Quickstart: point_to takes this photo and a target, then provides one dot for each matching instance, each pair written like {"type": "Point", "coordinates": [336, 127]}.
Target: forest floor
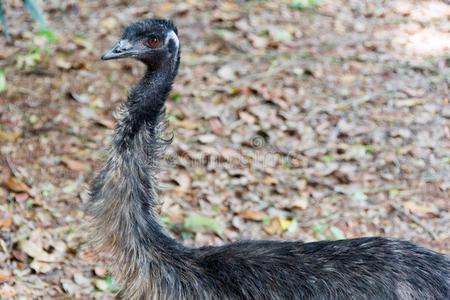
{"type": "Point", "coordinates": [288, 123]}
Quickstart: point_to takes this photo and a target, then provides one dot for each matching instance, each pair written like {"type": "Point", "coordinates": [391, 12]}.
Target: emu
{"type": "Point", "coordinates": [149, 264]}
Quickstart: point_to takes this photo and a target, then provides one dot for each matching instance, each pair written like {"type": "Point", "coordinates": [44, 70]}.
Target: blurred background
{"type": "Point", "coordinates": [293, 119]}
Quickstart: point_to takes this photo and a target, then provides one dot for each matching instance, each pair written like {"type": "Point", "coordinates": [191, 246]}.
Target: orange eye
{"type": "Point", "coordinates": [152, 43]}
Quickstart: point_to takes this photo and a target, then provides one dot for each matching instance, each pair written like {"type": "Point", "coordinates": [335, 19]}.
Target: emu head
{"type": "Point", "coordinates": [153, 41]}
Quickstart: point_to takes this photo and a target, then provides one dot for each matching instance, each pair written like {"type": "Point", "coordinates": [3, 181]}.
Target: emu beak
{"type": "Point", "coordinates": [120, 50]}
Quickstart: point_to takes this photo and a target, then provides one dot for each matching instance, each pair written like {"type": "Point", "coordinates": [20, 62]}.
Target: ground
{"type": "Point", "coordinates": [290, 121]}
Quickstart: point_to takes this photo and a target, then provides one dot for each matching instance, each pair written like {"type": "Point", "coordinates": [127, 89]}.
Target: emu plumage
{"type": "Point", "coordinates": [151, 265]}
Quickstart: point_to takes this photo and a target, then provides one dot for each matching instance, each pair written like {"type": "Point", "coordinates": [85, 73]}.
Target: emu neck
{"type": "Point", "coordinates": [124, 194]}
{"type": "Point", "coordinates": [147, 99]}
{"type": "Point", "coordinates": [144, 108]}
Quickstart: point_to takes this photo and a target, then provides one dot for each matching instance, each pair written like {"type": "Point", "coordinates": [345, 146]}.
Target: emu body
{"type": "Point", "coordinates": [151, 265]}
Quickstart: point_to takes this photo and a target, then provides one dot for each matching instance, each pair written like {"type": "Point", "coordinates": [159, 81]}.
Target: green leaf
{"type": "Point", "coordinates": [49, 34]}
{"type": "Point", "coordinates": [186, 235]}
{"type": "Point", "coordinates": [2, 81]}
{"type": "Point", "coordinates": [359, 196]}
{"type": "Point", "coordinates": [265, 220]}
{"type": "Point", "coordinates": [337, 233]}
{"type": "Point", "coordinates": [328, 158]}
{"type": "Point", "coordinates": [107, 284]}
{"type": "Point", "coordinates": [198, 223]}
{"type": "Point", "coordinates": [319, 228]}
{"type": "Point", "coordinates": [28, 61]}
{"type": "Point", "coordinates": [35, 11]}
{"type": "Point", "coordinates": [166, 222]}
{"type": "Point", "coordinates": [281, 35]}
{"type": "Point", "coordinates": [175, 97]}
{"type": "Point", "coordinates": [304, 4]}
{"type": "Point", "coordinates": [113, 286]}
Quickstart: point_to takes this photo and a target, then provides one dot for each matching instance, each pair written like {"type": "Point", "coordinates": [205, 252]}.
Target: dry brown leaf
{"type": "Point", "coordinates": [15, 185]}
{"type": "Point", "coordinates": [34, 250]}
{"type": "Point", "coordinates": [268, 180]}
{"type": "Point", "coordinates": [41, 267]}
{"type": "Point", "coordinates": [410, 102]}
{"type": "Point", "coordinates": [21, 197]}
{"type": "Point", "coordinates": [246, 117]}
{"type": "Point", "coordinates": [6, 276]}
{"type": "Point", "coordinates": [254, 215]}
{"type": "Point", "coordinates": [100, 272]}
{"type": "Point", "coordinates": [20, 256]}
{"type": "Point", "coordinates": [9, 136]}
{"type": "Point", "coordinates": [5, 223]}
{"type": "Point", "coordinates": [278, 225]}
{"type": "Point", "coordinates": [109, 24]}
{"type": "Point", "coordinates": [300, 203]}
{"type": "Point", "coordinates": [184, 181]}
{"type": "Point", "coordinates": [108, 123]}
{"type": "Point", "coordinates": [74, 165]}
{"type": "Point", "coordinates": [7, 292]}
{"type": "Point", "coordinates": [216, 126]}
{"type": "Point", "coordinates": [188, 124]}
{"type": "Point", "coordinates": [274, 226]}
{"type": "Point", "coordinates": [421, 209]}
{"type": "Point", "coordinates": [63, 64]}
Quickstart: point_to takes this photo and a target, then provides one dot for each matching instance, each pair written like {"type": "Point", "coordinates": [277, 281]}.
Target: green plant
{"type": "Point", "coordinates": [2, 81]}
{"type": "Point", "coordinates": [304, 4]}
{"type": "Point", "coordinates": [40, 51]}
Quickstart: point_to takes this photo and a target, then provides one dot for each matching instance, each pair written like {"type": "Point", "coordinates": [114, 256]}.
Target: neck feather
{"type": "Point", "coordinates": [124, 194]}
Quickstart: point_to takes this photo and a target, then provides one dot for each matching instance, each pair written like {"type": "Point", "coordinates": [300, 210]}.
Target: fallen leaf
{"type": "Point", "coordinates": [81, 98]}
{"type": "Point", "coordinates": [81, 280]}
{"type": "Point", "coordinates": [74, 165]}
{"type": "Point", "coordinates": [109, 24]}
{"type": "Point", "coordinates": [21, 197]}
{"type": "Point", "coordinates": [108, 123]}
{"type": "Point", "coordinates": [246, 117]}
{"type": "Point", "coordinates": [227, 73]}
{"type": "Point", "coordinates": [41, 267]}
{"type": "Point", "coordinates": [337, 233]}
{"type": "Point", "coordinates": [9, 136]}
{"type": "Point", "coordinates": [35, 251]}
{"type": "Point", "coordinates": [421, 209]}
{"type": "Point", "coordinates": [5, 223]}
{"type": "Point", "coordinates": [15, 185]}
{"type": "Point", "coordinates": [184, 181]}
{"type": "Point", "coordinates": [258, 42]}
{"type": "Point", "coordinates": [6, 276]}
{"type": "Point", "coordinates": [206, 138]}
{"type": "Point", "coordinates": [187, 124]}
{"type": "Point", "coordinates": [277, 225]}
{"type": "Point", "coordinates": [63, 64]}
{"type": "Point", "coordinates": [198, 223]}
{"type": "Point", "coordinates": [69, 286]}
{"type": "Point", "coordinates": [100, 272]}
{"type": "Point", "coordinates": [299, 203]}
{"type": "Point", "coordinates": [280, 34]}
{"type": "Point", "coordinates": [254, 215]}
{"type": "Point", "coordinates": [19, 255]}
{"type": "Point", "coordinates": [216, 126]}
{"type": "Point", "coordinates": [410, 102]}
{"type": "Point", "coordinates": [7, 292]}
{"type": "Point", "coordinates": [3, 84]}
{"type": "Point", "coordinates": [269, 180]}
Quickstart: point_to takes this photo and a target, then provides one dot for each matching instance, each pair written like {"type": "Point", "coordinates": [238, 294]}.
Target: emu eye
{"type": "Point", "coordinates": [152, 42]}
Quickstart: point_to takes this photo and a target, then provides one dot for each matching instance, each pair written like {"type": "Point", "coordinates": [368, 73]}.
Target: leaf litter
{"type": "Point", "coordinates": [292, 120]}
